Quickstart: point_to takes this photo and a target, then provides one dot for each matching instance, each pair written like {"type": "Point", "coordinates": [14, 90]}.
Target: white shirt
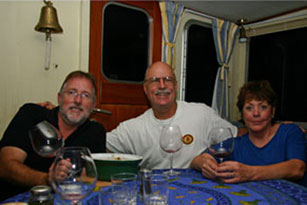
{"type": "Point", "coordinates": [140, 135]}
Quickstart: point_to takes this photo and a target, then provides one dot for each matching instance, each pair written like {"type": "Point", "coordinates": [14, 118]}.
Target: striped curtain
{"type": "Point", "coordinates": [171, 14]}
{"type": "Point", "coordinates": [224, 34]}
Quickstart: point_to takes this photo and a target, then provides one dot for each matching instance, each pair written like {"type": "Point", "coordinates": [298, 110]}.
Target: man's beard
{"type": "Point", "coordinates": [70, 120]}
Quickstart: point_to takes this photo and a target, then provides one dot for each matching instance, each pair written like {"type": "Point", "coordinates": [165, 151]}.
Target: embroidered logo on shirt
{"type": "Point", "coordinates": [187, 139]}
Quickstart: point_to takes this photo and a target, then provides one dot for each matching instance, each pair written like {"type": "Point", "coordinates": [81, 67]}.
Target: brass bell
{"type": "Point", "coordinates": [48, 24]}
{"type": "Point", "coordinates": [48, 21]}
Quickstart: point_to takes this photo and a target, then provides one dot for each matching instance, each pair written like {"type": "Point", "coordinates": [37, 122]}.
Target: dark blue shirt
{"type": "Point", "coordinates": [288, 143]}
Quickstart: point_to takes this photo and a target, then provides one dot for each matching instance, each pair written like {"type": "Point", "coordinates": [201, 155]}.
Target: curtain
{"type": "Point", "coordinates": [171, 14]}
{"type": "Point", "coordinates": [224, 34]}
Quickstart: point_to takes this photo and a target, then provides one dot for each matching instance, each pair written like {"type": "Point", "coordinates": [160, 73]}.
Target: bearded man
{"type": "Point", "coordinates": [20, 166]}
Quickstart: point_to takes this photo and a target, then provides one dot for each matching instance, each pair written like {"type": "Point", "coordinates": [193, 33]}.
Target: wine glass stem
{"type": "Point", "coordinates": [221, 160]}
{"type": "Point", "coordinates": [171, 162]}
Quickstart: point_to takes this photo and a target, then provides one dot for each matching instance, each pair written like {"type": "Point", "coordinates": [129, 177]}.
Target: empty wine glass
{"type": "Point", "coordinates": [79, 180]}
{"type": "Point", "coordinates": [170, 142]}
{"type": "Point", "coordinates": [221, 142]}
{"type": "Point", "coordinates": [46, 140]}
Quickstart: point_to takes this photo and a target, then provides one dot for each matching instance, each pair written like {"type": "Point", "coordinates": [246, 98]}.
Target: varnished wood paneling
{"type": "Point", "coordinates": [123, 99]}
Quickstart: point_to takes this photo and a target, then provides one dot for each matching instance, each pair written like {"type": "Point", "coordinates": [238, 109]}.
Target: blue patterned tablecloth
{"type": "Point", "coordinates": [191, 188]}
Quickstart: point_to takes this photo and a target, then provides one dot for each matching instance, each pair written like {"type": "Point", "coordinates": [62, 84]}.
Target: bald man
{"type": "Point", "coordinates": [140, 136]}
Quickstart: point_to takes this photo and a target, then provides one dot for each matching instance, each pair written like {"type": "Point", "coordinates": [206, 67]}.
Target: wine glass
{"type": "Point", "coordinates": [170, 142]}
{"type": "Point", "coordinates": [46, 140]}
{"type": "Point", "coordinates": [74, 173]}
{"type": "Point", "coordinates": [221, 142]}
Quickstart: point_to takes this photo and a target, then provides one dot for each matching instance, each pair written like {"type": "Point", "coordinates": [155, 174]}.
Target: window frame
{"type": "Point", "coordinates": [187, 26]}
{"type": "Point", "coordinates": [115, 93]}
{"type": "Point", "coordinates": [180, 61]}
{"type": "Point", "coordinates": [149, 45]}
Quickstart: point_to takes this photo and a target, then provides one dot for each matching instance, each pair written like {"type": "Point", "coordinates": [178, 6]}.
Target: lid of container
{"type": "Point", "coordinates": [40, 189]}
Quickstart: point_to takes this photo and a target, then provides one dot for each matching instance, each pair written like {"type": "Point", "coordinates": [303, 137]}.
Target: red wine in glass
{"type": "Point", "coordinates": [170, 142]}
{"type": "Point", "coordinates": [221, 142]}
{"type": "Point", "coordinates": [222, 153]}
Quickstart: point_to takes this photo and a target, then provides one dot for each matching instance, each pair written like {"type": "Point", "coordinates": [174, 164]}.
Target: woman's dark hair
{"type": "Point", "coordinates": [256, 90]}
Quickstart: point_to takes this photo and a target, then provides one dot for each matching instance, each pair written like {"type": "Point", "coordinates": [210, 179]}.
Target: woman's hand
{"type": "Point", "coordinates": [233, 172]}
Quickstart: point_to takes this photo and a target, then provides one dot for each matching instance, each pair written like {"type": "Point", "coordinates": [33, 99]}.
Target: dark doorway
{"type": "Point", "coordinates": [201, 64]}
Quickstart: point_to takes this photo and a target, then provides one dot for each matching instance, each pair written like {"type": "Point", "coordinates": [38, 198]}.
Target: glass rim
{"type": "Point", "coordinates": [75, 148]}
{"type": "Point", "coordinates": [161, 176]}
{"type": "Point", "coordinates": [124, 176]}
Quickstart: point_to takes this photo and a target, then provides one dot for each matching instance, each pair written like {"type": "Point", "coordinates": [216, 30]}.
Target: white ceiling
{"type": "Point", "coordinates": [253, 11]}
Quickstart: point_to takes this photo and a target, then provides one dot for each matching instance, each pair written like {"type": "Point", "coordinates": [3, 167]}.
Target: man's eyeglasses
{"type": "Point", "coordinates": [156, 80]}
{"type": "Point", "coordinates": [74, 93]}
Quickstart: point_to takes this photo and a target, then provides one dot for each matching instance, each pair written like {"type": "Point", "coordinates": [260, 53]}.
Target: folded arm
{"type": "Point", "coordinates": [234, 172]}
{"type": "Point", "coordinates": [12, 168]}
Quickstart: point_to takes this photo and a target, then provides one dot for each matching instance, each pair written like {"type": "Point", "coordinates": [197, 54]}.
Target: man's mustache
{"type": "Point", "coordinates": [163, 92]}
{"type": "Point", "coordinates": [76, 107]}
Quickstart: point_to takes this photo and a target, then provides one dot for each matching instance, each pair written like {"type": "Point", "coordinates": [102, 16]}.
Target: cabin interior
{"type": "Point", "coordinates": [117, 40]}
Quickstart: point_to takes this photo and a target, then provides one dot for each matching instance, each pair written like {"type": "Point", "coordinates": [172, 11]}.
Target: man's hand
{"type": "Point", "coordinates": [47, 105]}
{"type": "Point", "coordinates": [61, 171]}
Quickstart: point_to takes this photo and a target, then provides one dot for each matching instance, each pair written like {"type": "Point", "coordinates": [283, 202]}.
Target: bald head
{"type": "Point", "coordinates": [159, 69]}
{"type": "Point", "coordinates": [160, 87]}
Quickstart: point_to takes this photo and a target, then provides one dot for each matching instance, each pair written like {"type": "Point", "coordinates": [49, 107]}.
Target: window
{"type": "Point", "coordinates": [201, 63]}
{"type": "Point", "coordinates": [126, 43]}
{"type": "Point", "coordinates": [281, 58]}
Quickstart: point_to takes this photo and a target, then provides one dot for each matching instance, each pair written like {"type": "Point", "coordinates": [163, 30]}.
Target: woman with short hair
{"type": "Point", "coordinates": [268, 151]}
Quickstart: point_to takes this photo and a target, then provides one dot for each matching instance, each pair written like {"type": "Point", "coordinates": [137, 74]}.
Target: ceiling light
{"type": "Point", "coordinates": [242, 37]}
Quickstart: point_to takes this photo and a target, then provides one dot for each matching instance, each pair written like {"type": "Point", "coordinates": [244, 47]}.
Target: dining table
{"type": "Point", "coordinates": [190, 187]}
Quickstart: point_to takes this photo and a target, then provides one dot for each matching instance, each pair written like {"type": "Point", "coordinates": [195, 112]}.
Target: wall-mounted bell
{"type": "Point", "coordinates": [48, 21]}
{"type": "Point", "coordinates": [48, 24]}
